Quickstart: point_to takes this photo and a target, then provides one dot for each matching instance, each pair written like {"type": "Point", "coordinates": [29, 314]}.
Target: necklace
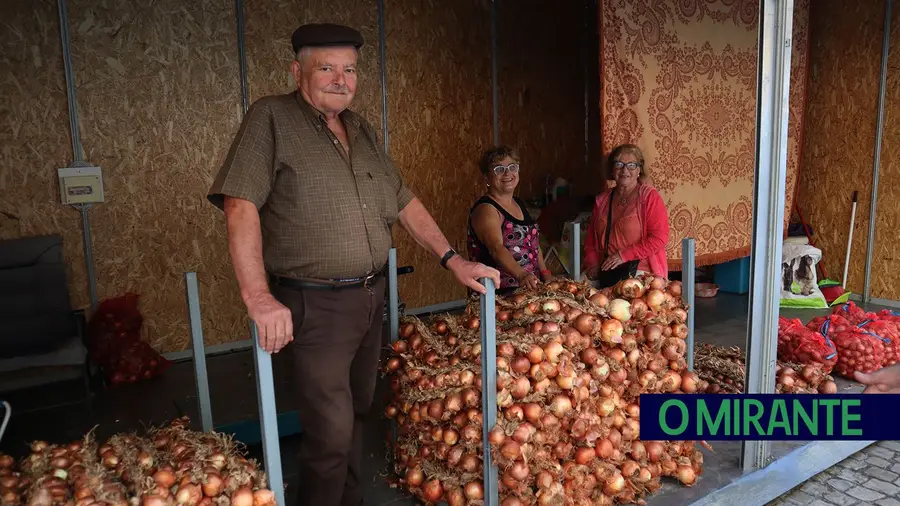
{"type": "Point", "coordinates": [625, 197]}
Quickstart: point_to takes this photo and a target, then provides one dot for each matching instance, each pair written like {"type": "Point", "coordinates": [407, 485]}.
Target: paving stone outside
{"type": "Point", "coordinates": [871, 476]}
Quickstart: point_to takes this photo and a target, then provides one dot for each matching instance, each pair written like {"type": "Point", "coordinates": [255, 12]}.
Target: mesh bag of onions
{"type": "Point", "coordinates": [572, 362]}
{"type": "Point", "coordinates": [889, 333]}
{"type": "Point", "coordinates": [853, 313]}
{"type": "Point", "coordinates": [114, 341]}
{"type": "Point", "coordinates": [858, 350]}
{"type": "Point", "coordinates": [171, 465]}
{"type": "Point", "coordinates": [799, 344]}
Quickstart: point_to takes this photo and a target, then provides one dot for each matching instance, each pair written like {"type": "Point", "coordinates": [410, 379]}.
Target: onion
{"type": "Point", "coordinates": [689, 382]}
{"type": "Point", "coordinates": [631, 288]}
{"type": "Point", "coordinates": [614, 484]}
{"type": "Point", "coordinates": [611, 330]}
{"type": "Point", "coordinates": [514, 413]}
{"type": "Point", "coordinates": [213, 485]}
{"type": "Point", "coordinates": [630, 469]}
{"type": "Point", "coordinates": [655, 450]}
{"type": "Point", "coordinates": [510, 450]}
{"type": "Point", "coordinates": [603, 449]}
{"type": "Point", "coordinates": [561, 405]}
{"type": "Point", "coordinates": [432, 491]}
{"type": "Point", "coordinates": [523, 432]}
{"type": "Point", "coordinates": [190, 494]}
{"type": "Point", "coordinates": [652, 334]}
{"type": "Point", "coordinates": [451, 436]}
{"type": "Point", "coordinates": [686, 475]}
{"type": "Point", "coordinates": [519, 471]}
{"type": "Point", "coordinates": [532, 412]}
{"type": "Point", "coordinates": [675, 288]}
{"type": "Point", "coordinates": [521, 387]}
{"type": "Point", "coordinates": [583, 455]}
{"type": "Point", "coordinates": [620, 309]}
{"type": "Point", "coordinates": [469, 463]}
{"type": "Point", "coordinates": [164, 478]}
{"type": "Point", "coordinates": [586, 324]}
{"type": "Point", "coordinates": [550, 306]}
{"type": "Point", "coordinates": [535, 354]}
{"type": "Point", "coordinates": [655, 300]}
{"type": "Point", "coordinates": [414, 476]}
{"type": "Point", "coordinates": [496, 435]}
{"type": "Point", "coordinates": [639, 308]}
{"type": "Point", "coordinates": [590, 356]}
{"type": "Point", "coordinates": [679, 330]}
{"type": "Point", "coordinates": [828, 387]}
{"type": "Point", "coordinates": [520, 364]}
{"type": "Point", "coordinates": [454, 455]}
{"type": "Point", "coordinates": [552, 350]}
{"type": "Point", "coordinates": [671, 381]}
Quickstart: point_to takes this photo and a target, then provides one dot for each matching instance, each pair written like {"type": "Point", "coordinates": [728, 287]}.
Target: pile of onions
{"type": "Point", "coordinates": [572, 362]}
{"type": "Point", "coordinates": [723, 369]}
{"type": "Point", "coordinates": [171, 465]}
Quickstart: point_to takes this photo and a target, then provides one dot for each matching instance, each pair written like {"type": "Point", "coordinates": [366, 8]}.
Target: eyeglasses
{"type": "Point", "coordinates": [632, 166]}
{"type": "Point", "coordinates": [512, 168]}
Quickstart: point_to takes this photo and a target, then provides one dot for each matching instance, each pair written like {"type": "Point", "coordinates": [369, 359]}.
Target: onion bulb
{"type": "Point", "coordinates": [620, 309]}
{"type": "Point", "coordinates": [432, 491]}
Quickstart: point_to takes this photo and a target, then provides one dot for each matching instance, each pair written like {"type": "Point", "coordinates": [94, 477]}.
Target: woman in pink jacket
{"type": "Point", "coordinates": [636, 241]}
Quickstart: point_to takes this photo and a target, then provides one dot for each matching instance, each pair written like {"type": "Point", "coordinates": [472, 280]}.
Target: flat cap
{"type": "Point", "coordinates": [325, 34]}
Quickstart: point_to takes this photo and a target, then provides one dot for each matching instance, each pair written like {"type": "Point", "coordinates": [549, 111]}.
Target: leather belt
{"type": "Point", "coordinates": [327, 284]}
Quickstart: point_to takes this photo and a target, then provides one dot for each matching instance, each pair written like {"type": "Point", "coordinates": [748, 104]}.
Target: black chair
{"type": "Point", "coordinates": [42, 338]}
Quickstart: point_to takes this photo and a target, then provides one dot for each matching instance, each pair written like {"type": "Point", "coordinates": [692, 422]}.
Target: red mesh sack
{"type": "Point", "coordinates": [114, 342]}
{"type": "Point", "coordinates": [853, 313]}
{"type": "Point", "coordinates": [888, 315]}
{"type": "Point", "coordinates": [802, 345]}
{"type": "Point", "coordinates": [857, 350]}
{"type": "Point", "coordinates": [889, 333]}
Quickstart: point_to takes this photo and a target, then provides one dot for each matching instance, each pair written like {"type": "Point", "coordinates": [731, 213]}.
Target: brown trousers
{"type": "Point", "coordinates": [336, 348]}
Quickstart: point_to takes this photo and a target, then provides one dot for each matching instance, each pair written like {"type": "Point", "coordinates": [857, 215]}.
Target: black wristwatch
{"type": "Point", "coordinates": [447, 256]}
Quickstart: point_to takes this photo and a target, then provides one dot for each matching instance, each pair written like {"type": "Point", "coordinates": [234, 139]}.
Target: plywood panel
{"type": "Point", "coordinates": [159, 96]}
{"type": "Point", "coordinates": [541, 80]}
{"type": "Point", "coordinates": [885, 259]}
{"type": "Point", "coordinates": [34, 133]}
{"type": "Point", "coordinates": [840, 129]}
{"type": "Point", "coordinates": [439, 103]}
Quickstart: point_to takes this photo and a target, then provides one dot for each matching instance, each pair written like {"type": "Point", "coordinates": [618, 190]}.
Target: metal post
{"type": "Point", "coordinates": [268, 416]}
{"type": "Point", "coordinates": [89, 254]}
{"type": "Point", "coordinates": [687, 293]}
{"type": "Point", "coordinates": [242, 54]}
{"type": "Point", "coordinates": [77, 154]}
{"type": "Point", "coordinates": [876, 164]}
{"type": "Point", "coordinates": [489, 390]}
{"type": "Point", "coordinates": [576, 251]}
{"type": "Point", "coordinates": [774, 68]}
{"type": "Point", "coordinates": [199, 348]}
{"type": "Point", "coordinates": [393, 295]}
{"type": "Point", "coordinates": [382, 59]}
{"type": "Point", "coordinates": [495, 85]}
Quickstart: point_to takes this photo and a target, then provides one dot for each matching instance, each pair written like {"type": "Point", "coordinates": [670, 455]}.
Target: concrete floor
{"type": "Point", "coordinates": [720, 320]}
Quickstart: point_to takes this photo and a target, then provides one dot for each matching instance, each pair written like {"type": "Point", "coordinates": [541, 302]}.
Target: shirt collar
{"type": "Point", "coordinates": [350, 118]}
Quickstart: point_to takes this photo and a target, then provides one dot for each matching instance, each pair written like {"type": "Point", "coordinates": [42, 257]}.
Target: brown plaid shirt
{"type": "Point", "coordinates": [324, 214]}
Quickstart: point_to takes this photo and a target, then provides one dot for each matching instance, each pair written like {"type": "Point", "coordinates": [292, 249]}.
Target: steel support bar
{"type": "Point", "coordinates": [576, 251]}
{"type": "Point", "coordinates": [393, 295]}
{"type": "Point", "coordinates": [495, 76]}
{"type": "Point", "coordinates": [774, 68]}
{"type": "Point", "coordinates": [382, 60]}
{"type": "Point", "coordinates": [268, 415]}
{"type": "Point", "coordinates": [242, 53]}
{"type": "Point", "coordinates": [489, 389]}
{"type": "Point", "coordinates": [88, 243]}
{"type": "Point", "coordinates": [876, 164]}
{"type": "Point", "coordinates": [199, 350]}
{"type": "Point", "coordinates": [687, 293]}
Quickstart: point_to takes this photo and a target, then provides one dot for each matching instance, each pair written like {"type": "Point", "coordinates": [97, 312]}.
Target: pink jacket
{"type": "Point", "coordinates": [655, 232]}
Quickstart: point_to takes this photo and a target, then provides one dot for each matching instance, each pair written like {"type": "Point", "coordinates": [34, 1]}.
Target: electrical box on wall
{"type": "Point", "coordinates": [80, 185]}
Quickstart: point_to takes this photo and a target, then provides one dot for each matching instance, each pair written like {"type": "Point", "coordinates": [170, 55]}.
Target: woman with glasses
{"type": "Point", "coordinates": [629, 227]}
{"type": "Point", "coordinates": [501, 233]}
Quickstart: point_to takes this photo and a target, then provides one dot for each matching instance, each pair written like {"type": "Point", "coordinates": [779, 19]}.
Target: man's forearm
{"type": "Point", "coordinates": [245, 247]}
{"type": "Point", "coordinates": [423, 229]}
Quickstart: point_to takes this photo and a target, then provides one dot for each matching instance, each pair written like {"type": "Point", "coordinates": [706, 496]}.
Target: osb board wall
{"type": "Point", "coordinates": [439, 107]}
{"type": "Point", "coordinates": [845, 57]}
{"type": "Point", "coordinates": [34, 133]}
{"type": "Point", "coordinates": [541, 81]}
{"type": "Point", "coordinates": [679, 80]}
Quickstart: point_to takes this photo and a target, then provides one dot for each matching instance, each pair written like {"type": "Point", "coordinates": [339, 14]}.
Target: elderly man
{"type": "Point", "coordinates": [309, 199]}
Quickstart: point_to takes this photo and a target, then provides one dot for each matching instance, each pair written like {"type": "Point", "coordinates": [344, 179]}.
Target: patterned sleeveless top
{"type": "Point", "coordinates": [519, 236]}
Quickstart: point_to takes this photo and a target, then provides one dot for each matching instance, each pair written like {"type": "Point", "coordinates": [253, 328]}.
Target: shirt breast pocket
{"type": "Point", "coordinates": [385, 195]}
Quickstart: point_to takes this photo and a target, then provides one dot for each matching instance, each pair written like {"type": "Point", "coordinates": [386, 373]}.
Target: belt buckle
{"type": "Point", "coordinates": [367, 281]}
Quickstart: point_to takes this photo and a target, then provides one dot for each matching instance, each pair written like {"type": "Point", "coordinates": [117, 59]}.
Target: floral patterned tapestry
{"type": "Point", "coordinates": [678, 78]}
